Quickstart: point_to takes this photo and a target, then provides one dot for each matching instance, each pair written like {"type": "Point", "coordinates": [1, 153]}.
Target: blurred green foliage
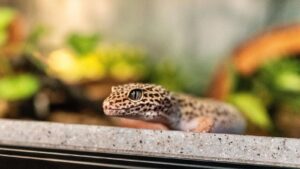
{"type": "Point", "coordinates": [17, 87]}
{"type": "Point", "coordinates": [6, 16]}
{"type": "Point", "coordinates": [253, 109]}
{"type": "Point", "coordinates": [83, 44]}
{"type": "Point", "coordinates": [92, 59]}
{"type": "Point", "coordinates": [282, 79]}
{"type": "Point", "coordinates": [34, 37]}
{"type": "Point", "coordinates": [275, 84]}
{"type": "Point", "coordinates": [167, 74]}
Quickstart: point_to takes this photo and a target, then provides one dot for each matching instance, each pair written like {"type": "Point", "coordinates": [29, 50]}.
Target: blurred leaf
{"type": "Point", "coordinates": [292, 102]}
{"type": "Point", "coordinates": [35, 36]}
{"type": "Point", "coordinates": [64, 64]}
{"type": "Point", "coordinates": [280, 75]}
{"type": "Point", "coordinates": [83, 44]}
{"type": "Point", "coordinates": [6, 16]}
{"type": "Point", "coordinates": [253, 109]}
{"type": "Point", "coordinates": [95, 70]}
{"type": "Point", "coordinates": [288, 81]}
{"type": "Point", "coordinates": [122, 61]}
{"type": "Point", "coordinates": [167, 74]}
{"type": "Point", "coordinates": [262, 91]}
{"type": "Point", "coordinates": [277, 81]}
{"type": "Point", "coordinates": [18, 87]}
{"type": "Point", "coordinates": [3, 37]}
{"type": "Point", "coordinates": [5, 66]}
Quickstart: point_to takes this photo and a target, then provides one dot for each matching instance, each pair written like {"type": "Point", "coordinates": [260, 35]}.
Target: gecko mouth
{"type": "Point", "coordinates": [114, 112]}
{"type": "Point", "coordinates": [119, 112]}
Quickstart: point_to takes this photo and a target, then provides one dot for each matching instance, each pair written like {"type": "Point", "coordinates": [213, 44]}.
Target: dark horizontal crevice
{"type": "Point", "coordinates": [36, 158]}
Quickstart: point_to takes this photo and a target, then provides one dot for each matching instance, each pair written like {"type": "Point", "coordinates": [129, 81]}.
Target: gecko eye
{"type": "Point", "coordinates": [135, 94]}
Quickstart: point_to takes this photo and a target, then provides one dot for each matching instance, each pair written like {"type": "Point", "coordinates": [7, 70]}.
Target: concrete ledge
{"type": "Point", "coordinates": [213, 147]}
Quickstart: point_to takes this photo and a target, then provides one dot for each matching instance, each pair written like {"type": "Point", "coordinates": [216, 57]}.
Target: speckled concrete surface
{"type": "Point", "coordinates": [221, 147]}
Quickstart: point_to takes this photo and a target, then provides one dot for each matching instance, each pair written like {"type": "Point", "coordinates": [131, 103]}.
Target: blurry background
{"type": "Point", "coordinates": [59, 58]}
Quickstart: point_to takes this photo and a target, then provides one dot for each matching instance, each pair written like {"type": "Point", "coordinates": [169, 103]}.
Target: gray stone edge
{"type": "Point", "coordinates": [202, 146]}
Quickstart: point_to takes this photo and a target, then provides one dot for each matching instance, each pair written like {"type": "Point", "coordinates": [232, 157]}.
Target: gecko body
{"type": "Point", "coordinates": [178, 111]}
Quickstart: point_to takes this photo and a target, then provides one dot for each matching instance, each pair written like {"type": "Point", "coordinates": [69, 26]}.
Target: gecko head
{"type": "Point", "coordinates": [138, 101]}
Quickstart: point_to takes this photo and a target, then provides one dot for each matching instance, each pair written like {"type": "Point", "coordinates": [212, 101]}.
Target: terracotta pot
{"type": "Point", "coordinates": [250, 55]}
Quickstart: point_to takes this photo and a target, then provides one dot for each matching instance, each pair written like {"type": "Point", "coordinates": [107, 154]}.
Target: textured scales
{"type": "Point", "coordinates": [177, 111]}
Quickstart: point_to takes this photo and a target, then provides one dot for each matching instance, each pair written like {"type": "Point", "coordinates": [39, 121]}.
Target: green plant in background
{"type": "Point", "coordinates": [83, 44]}
{"type": "Point", "coordinates": [282, 81]}
{"type": "Point", "coordinates": [34, 37]}
{"type": "Point", "coordinates": [275, 84]}
{"type": "Point", "coordinates": [253, 109]}
{"type": "Point", "coordinates": [17, 87]}
{"type": "Point", "coordinates": [88, 58]}
{"type": "Point", "coordinates": [6, 17]}
{"type": "Point", "coordinates": [166, 73]}
{"type": "Point", "coordinates": [123, 62]}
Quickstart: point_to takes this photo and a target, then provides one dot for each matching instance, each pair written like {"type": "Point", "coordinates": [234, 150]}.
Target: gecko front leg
{"type": "Point", "coordinates": [205, 125]}
{"type": "Point", "coordinates": [200, 124]}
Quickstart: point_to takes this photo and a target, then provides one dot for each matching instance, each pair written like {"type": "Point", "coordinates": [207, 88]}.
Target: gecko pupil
{"type": "Point", "coordinates": [135, 94]}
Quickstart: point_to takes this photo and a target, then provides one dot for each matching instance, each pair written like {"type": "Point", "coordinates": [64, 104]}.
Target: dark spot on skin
{"type": "Point", "coordinates": [225, 113]}
{"type": "Point", "coordinates": [141, 141]}
{"type": "Point", "coordinates": [150, 95]}
{"type": "Point", "coordinates": [156, 95]}
{"type": "Point", "coordinates": [150, 88]}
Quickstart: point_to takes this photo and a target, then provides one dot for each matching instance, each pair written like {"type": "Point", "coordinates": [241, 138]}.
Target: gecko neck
{"type": "Point", "coordinates": [173, 114]}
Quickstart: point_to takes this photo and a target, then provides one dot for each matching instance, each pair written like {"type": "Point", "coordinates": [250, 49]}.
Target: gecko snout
{"type": "Point", "coordinates": [108, 110]}
{"type": "Point", "coordinates": [105, 105]}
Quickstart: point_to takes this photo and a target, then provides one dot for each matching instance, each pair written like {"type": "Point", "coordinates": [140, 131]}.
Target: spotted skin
{"type": "Point", "coordinates": [177, 111]}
